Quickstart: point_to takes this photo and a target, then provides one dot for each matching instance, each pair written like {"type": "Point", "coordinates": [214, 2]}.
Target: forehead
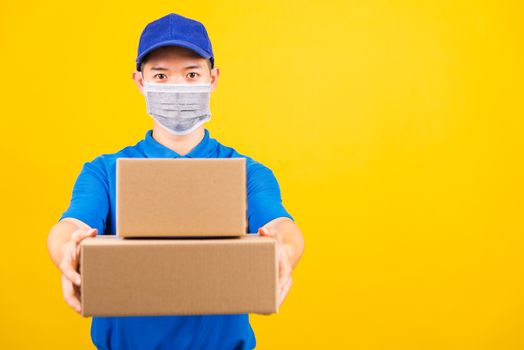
{"type": "Point", "coordinates": [170, 55]}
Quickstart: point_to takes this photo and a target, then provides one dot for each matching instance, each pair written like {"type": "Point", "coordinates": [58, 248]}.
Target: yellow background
{"type": "Point", "coordinates": [394, 128]}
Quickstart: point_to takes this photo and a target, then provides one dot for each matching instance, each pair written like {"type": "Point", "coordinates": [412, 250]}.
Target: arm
{"type": "Point", "coordinates": [267, 215]}
{"type": "Point", "coordinates": [85, 216]}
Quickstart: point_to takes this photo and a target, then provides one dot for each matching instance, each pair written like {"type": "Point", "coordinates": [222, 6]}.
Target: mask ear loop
{"type": "Point", "coordinates": [143, 79]}
{"type": "Point", "coordinates": [143, 86]}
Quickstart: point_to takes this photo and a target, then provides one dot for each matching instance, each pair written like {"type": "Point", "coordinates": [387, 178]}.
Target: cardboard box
{"type": "Point", "coordinates": [184, 276]}
{"type": "Point", "coordinates": [181, 197]}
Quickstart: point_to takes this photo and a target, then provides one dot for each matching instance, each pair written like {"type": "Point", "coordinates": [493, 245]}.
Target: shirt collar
{"type": "Point", "coordinates": [153, 149]}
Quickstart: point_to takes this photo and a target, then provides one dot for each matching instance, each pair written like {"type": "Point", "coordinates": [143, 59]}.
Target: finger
{"type": "Point", "coordinates": [286, 286]}
{"type": "Point", "coordinates": [78, 292]}
{"type": "Point", "coordinates": [282, 282]}
{"type": "Point", "coordinates": [71, 274]}
{"type": "Point", "coordinates": [79, 235]}
{"type": "Point", "coordinates": [73, 256]}
{"type": "Point", "coordinates": [284, 292]}
{"type": "Point", "coordinates": [281, 267]}
{"type": "Point", "coordinates": [75, 234]}
{"type": "Point", "coordinates": [77, 238]}
{"type": "Point", "coordinates": [69, 295]}
{"type": "Point", "coordinates": [68, 268]}
{"type": "Point", "coordinates": [266, 231]}
{"type": "Point", "coordinates": [284, 267]}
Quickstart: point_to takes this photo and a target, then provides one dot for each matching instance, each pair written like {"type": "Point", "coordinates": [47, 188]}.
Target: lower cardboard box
{"type": "Point", "coordinates": [178, 276]}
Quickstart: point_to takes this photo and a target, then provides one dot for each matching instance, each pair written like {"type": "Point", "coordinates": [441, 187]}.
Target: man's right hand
{"type": "Point", "coordinates": [69, 266]}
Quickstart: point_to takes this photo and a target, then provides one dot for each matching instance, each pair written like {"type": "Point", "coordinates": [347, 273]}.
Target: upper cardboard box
{"type": "Point", "coordinates": [170, 197]}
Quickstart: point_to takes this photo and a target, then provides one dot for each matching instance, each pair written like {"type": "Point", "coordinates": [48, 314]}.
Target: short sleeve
{"type": "Point", "coordinates": [264, 202]}
{"type": "Point", "coordinates": [90, 196]}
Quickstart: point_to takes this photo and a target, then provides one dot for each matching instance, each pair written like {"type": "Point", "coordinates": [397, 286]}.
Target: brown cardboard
{"type": "Point", "coordinates": [161, 197]}
{"type": "Point", "coordinates": [180, 276]}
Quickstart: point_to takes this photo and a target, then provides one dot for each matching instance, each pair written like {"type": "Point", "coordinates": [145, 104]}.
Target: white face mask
{"type": "Point", "coordinates": [179, 108]}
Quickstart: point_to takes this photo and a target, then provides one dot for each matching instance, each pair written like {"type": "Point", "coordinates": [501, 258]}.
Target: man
{"type": "Point", "coordinates": [174, 55]}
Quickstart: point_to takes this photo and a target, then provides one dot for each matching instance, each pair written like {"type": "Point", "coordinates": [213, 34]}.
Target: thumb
{"type": "Point", "coordinates": [265, 231]}
{"type": "Point", "coordinates": [79, 235]}
{"type": "Point", "coordinates": [92, 232]}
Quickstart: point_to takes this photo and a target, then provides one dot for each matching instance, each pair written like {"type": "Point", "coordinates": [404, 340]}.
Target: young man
{"type": "Point", "coordinates": [175, 57]}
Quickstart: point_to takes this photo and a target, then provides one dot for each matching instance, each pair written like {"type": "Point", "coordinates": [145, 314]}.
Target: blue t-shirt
{"type": "Point", "coordinates": [93, 202]}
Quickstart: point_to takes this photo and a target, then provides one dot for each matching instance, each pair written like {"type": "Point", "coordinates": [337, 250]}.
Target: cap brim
{"type": "Point", "coordinates": [181, 43]}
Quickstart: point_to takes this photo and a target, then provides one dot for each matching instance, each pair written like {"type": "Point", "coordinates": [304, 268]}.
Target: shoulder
{"type": "Point", "coordinates": [254, 168]}
{"type": "Point", "coordinates": [105, 163]}
{"type": "Point", "coordinates": [260, 177]}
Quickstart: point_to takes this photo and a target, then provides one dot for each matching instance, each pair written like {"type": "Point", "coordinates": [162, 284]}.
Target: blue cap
{"type": "Point", "coordinates": [175, 30]}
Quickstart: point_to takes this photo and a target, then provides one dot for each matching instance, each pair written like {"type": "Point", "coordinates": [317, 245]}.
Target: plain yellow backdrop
{"type": "Point", "coordinates": [394, 129]}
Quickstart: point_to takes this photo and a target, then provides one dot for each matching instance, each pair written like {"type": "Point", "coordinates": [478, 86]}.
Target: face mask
{"type": "Point", "coordinates": [179, 108]}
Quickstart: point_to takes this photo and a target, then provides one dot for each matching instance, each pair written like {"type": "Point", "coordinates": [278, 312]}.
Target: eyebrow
{"type": "Point", "coordinates": [166, 69]}
{"type": "Point", "coordinates": [193, 67]}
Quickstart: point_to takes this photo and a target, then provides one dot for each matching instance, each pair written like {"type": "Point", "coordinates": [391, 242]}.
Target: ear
{"type": "Point", "coordinates": [215, 72]}
{"type": "Point", "coordinates": [137, 77]}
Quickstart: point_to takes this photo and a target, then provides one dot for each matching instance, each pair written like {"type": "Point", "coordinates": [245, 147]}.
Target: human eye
{"type": "Point", "coordinates": [192, 75]}
{"type": "Point", "coordinates": [160, 76]}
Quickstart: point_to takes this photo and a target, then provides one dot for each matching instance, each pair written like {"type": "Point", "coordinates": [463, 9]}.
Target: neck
{"type": "Point", "coordinates": [181, 144]}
